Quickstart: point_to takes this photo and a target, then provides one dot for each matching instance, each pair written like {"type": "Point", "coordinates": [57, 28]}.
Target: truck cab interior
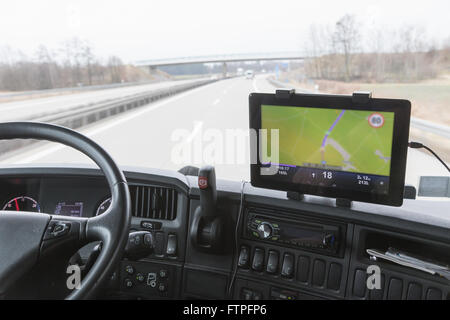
{"type": "Point", "coordinates": [224, 150]}
{"type": "Point", "coordinates": [142, 233]}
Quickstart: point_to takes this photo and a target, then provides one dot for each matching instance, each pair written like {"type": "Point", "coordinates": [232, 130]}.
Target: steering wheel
{"type": "Point", "coordinates": [27, 237]}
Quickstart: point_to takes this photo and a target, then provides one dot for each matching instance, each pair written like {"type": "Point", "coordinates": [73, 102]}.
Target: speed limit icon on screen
{"type": "Point", "coordinates": [376, 120]}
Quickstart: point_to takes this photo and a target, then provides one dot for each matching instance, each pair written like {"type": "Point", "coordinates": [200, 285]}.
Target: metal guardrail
{"type": "Point", "coordinates": [83, 115]}
{"type": "Point", "coordinates": [424, 125]}
{"type": "Point", "coordinates": [428, 126]}
{"type": "Point", "coordinates": [74, 89]}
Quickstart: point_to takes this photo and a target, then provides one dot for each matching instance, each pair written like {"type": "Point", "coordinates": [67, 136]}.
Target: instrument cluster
{"type": "Point", "coordinates": [85, 197]}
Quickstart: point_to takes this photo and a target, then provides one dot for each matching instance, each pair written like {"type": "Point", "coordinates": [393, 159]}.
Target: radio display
{"type": "Point", "coordinates": [294, 234]}
{"type": "Point", "coordinates": [328, 146]}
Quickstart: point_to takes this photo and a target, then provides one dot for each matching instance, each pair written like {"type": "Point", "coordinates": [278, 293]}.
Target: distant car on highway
{"type": "Point", "coordinates": [249, 74]}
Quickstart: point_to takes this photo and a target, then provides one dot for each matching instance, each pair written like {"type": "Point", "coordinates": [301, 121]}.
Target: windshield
{"type": "Point", "coordinates": [165, 84]}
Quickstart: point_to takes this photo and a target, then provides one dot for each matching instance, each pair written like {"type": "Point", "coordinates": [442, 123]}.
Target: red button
{"type": "Point", "coordinates": [202, 182]}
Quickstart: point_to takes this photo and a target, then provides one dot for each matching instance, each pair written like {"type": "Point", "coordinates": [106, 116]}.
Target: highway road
{"type": "Point", "coordinates": [200, 121]}
{"type": "Point", "coordinates": [29, 109]}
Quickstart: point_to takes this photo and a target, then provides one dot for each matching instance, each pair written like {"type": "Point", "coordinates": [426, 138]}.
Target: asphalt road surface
{"type": "Point", "coordinates": [192, 128]}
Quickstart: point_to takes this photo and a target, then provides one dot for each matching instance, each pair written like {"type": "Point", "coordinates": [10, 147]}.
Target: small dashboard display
{"type": "Point", "coordinates": [74, 209]}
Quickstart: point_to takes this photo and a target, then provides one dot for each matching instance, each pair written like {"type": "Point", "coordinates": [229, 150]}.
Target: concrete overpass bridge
{"type": "Point", "coordinates": [153, 64]}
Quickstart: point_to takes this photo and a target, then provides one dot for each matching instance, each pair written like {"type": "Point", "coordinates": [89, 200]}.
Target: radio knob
{"type": "Point", "coordinates": [264, 230]}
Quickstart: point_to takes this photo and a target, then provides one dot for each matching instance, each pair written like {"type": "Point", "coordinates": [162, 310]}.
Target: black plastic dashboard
{"type": "Point", "coordinates": [284, 265]}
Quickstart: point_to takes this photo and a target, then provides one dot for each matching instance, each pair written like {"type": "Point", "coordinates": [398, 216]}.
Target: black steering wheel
{"type": "Point", "coordinates": [27, 237]}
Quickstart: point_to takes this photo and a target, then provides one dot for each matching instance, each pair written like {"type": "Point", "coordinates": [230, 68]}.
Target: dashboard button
{"type": "Point", "coordinates": [282, 294]}
{"type": "Point", "coordinates": [414, 291]}
{"type": "Point", "coordinates": [171, 245]}
{"type": "Point", "coordinates": [303, 269]}
{"type": "Point", "coordinates": [287, 269]}
{"type": "Point", "coordinates": [128, 283]}
{"type": "Point", "coordinates": [159, 243]}
{"type": "Point", "coordinates": [163, 273]}
{"type": "Point", "coordinates": [395, 289]}
{"type": "Point", "coordinates": [151, 279]}
{"type": "Point", "coordinates": [258, 259]}
{"type": "Point", "coordinates": [244, 257]}
{"type": "Point", "coordinates": [334, 276]}
{"type": "Point", "coordinates": [434, 294]}
{"type": "Point", "coordinates": [151, 225]}
{"type": "Point", "coordinates": [246, 294]}
{"type": "Point", "coordinates": [318, 273]}
{"type": "Point", "coordinates": [140, 277]}
{"type": "Point", "coordinates": [272, 262]}
{"type": "Point", "coordinates": [359, 283]}
{"type": "Point", "coordinates": [129, 269]}
{"type": "Point", "coordinates": [162, 287]}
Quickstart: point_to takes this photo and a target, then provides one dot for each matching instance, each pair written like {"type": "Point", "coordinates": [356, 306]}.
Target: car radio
{"type": "Point", "coordinates": [305, 235]}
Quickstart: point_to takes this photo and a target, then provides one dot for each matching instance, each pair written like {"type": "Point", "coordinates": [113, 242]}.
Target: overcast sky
{"type": "Point", "coordinates": [149, 29]}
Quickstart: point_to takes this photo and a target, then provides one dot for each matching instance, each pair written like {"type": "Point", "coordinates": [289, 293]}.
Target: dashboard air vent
{"type": "Point", "coordinates": [154, 202]}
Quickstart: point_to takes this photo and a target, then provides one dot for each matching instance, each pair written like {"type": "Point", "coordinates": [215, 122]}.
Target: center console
{"type": "Point", "coordinates": [284, 255]}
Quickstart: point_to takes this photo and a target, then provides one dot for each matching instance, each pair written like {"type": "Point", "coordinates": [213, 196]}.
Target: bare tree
{"type": "Point", "coordinates": [115, 69]}
{"type": "Point", "coordinates": [346, 39]}
{"type": "Point", "coordinates": [88, 60]}
{"type": "Point", "coordinates": [44, 76]}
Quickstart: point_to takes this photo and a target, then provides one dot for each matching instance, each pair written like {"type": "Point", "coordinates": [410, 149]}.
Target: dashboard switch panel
{"type": "Point", "coordinates": [148, 279]}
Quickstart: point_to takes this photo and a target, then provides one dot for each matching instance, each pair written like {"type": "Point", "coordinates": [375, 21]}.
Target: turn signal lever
{"type": "Point", "coordinates": [207, 228]}
{"type": "Point", "coordinates": [140, 244]}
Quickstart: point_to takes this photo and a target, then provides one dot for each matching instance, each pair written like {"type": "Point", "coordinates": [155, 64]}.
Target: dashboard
{"type": "Point", "coordinates": [285, 249]}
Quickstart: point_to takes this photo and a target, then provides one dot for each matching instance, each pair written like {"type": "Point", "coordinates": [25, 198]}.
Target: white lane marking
{"type": "Point", "coordinates": [216, 102]}
{"type": "Point", "coordinates": [197, 127]}
{"type": "Point", "coordinates": [111, 124]}
{"type": "Point", "coordinates": [254, 85]}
